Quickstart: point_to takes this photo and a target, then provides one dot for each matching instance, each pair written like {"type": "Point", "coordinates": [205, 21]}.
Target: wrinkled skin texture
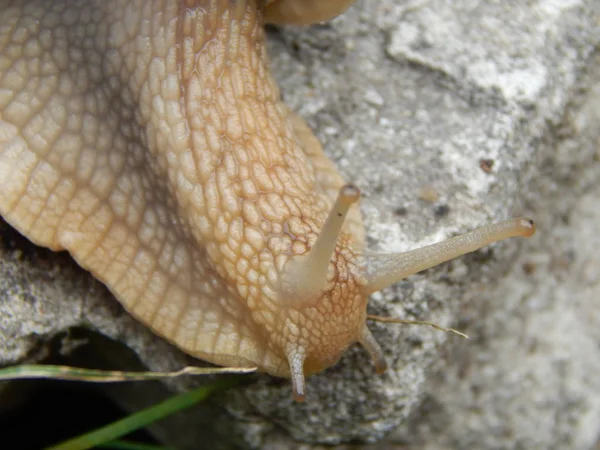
{"type": "Point", "coordinates": [149, 140]}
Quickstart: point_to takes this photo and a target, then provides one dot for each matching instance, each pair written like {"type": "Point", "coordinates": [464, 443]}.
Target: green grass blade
{"type": "Point", "coordinates": [107, 376]}
{"type": "Point", "coordinates": [128, 445]}
{"type": "Point", "coordinates": [145, 417]}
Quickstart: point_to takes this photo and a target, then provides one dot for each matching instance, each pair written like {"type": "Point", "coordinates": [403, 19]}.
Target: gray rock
{"type": "Point", "coordinates": [447, 115]}
{"type": "Point", "coordinates": [531, 382]}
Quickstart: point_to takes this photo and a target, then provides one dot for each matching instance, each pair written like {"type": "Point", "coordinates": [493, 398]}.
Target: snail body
{"type": "Point", "coordinates": [149, 140]}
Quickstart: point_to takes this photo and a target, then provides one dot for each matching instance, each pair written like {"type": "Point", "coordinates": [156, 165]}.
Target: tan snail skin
{"type": "Point", "coordinates": [149, 140]}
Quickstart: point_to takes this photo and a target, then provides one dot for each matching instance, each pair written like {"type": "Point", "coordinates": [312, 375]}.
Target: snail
{"type": "Point", "coordinates": [149, 140]}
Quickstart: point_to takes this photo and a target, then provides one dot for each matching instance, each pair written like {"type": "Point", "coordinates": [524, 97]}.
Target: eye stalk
{"type": "Point", "coordinates": [304, 277]}
{"type": "Point", "coordinates": [381, 271]}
